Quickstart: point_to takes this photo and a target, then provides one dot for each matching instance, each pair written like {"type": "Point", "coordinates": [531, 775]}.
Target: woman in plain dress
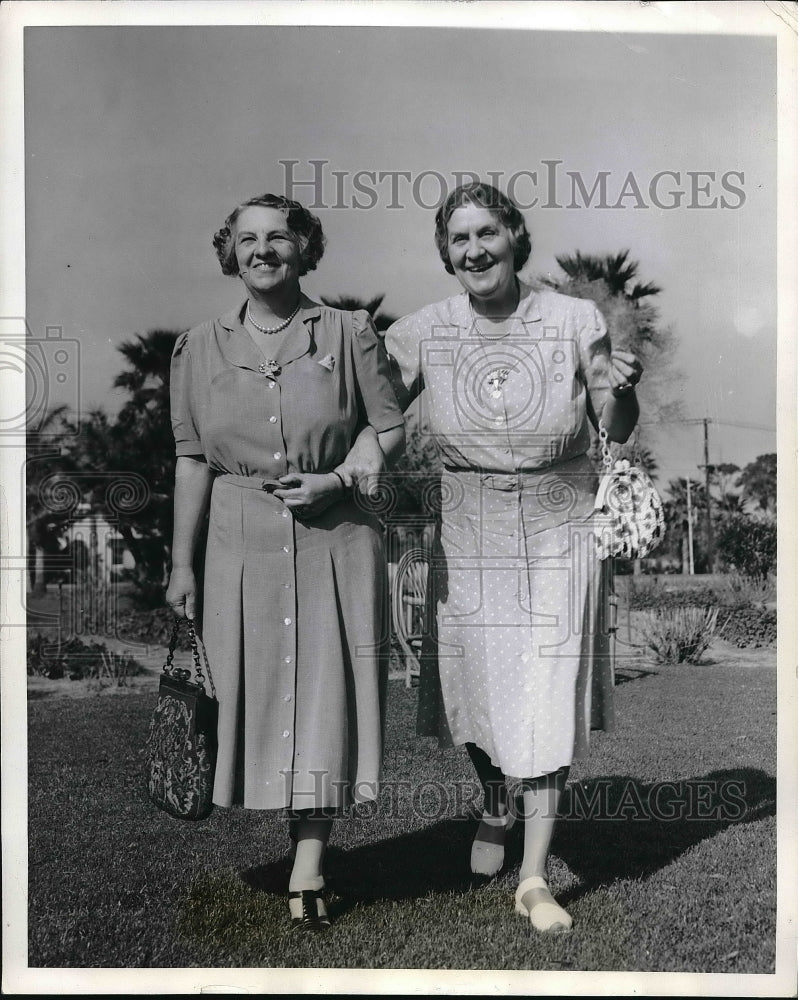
{"type": "Point", "coordinates": [517, 667]}
{"type": "Point", "coordinates": [267, 401]}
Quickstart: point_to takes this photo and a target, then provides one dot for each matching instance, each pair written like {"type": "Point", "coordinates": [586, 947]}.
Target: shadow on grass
{"type": "Point", "coordinates": [625, 674]}
{"type": "Point", "coordinates": [609, 829]}
{"type": "Point", "coordinates": [410, 866]}
{"type": "Point", "coordinates": [620, 828]}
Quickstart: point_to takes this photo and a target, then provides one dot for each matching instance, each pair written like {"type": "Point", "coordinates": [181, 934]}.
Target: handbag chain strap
{"type": "Point", "coordinates": [606, 454]}
{"type": "Point", "coordinates": [181, 672]}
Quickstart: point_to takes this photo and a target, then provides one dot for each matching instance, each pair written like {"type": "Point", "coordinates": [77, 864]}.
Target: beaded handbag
{"type": "Point", "coordinates": [181, 745]}
{"type": "Point", "coordinates": [629, 520]}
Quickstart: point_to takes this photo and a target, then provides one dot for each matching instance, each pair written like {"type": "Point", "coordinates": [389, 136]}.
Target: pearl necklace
{"type": "Point", "coordinates": [271, 329]}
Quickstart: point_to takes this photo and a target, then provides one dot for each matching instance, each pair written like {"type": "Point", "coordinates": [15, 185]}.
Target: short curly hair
{"type": "Point", "coordinates": [302, 223]}
{"type": "Point", "coordinates": [485, 196]}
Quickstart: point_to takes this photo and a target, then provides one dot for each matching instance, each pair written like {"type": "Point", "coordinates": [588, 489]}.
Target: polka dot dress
{"type": "Point", "coordinates": [518, 659]}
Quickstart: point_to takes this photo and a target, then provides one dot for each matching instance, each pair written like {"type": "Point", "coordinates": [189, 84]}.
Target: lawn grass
{"type": "Point", "coordinates": [115, 883]}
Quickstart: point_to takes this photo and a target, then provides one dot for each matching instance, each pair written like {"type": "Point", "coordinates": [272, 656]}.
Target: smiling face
{"type": "Point", "coordinates": [267, 252]}
{"type": "Point", "coordinates": [481, 252]}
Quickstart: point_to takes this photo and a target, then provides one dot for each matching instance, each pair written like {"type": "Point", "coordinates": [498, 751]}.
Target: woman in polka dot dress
{"type": "Point", "coordinates": [518, 667]}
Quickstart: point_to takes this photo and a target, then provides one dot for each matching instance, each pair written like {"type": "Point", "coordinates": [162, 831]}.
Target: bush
{"type": "Point", "coordinates": [78, 660]}
{"type": "Point", "coordinates": [746, 627]}
{"type": "Point", "coordinates": [152, 626]}
{"type": "Point", "coordinates": [747, 545]}
{"type": "Point", "coordinates": [736, 590]}
{"type": "Point", "coordinates": [678, 635]}
{"type": "Point", "coordinates": [647, 594]}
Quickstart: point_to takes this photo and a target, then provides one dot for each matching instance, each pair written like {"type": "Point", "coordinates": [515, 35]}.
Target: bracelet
{"type": "Point", "coordinates": [340, 478]}
{"type": "Point", "coordinates": [623, 390]}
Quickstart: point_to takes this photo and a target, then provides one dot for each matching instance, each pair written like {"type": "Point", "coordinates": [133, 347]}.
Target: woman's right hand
{"type": "Point", "coordinates": [364, 463]}
{"type": "Point", "coordinates": [181, 592]}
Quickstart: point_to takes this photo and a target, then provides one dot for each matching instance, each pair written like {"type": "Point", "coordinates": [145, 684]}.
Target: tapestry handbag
{"type": "Point", "coordinates": [629, 519]}
{"type": "Point", "coordinates": [181, 745]}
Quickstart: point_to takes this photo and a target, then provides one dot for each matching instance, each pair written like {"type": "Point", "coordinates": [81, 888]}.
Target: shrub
{"type": "Point", "coordinates": [152, 626]}
{"type": "Point", "coordinates": [78, 660]}
{"type": "Point", "coordinates": [646, 594]}
{"type": "Point", "coordinates": [736, 590]}
{"type": "Point", "coordinates": [747, 545]}
{"type": "Point", "coordinates": [746, 627]}
{"type": "Point", "coordinates": [679, 635]}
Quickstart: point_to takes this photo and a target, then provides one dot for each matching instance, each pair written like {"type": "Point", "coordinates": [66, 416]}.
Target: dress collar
{"type": "Point", "coordinates": [239, 348]}
{"type": "Point", "coordinates": [527, 310]}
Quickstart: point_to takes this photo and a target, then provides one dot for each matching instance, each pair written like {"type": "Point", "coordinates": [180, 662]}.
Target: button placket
{"type": "Point", "coordinates": [287, 674]}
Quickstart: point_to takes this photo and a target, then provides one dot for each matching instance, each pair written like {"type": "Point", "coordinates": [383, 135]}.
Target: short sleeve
{"type": "Point", "coordinates": [373, 374]}
{"type": "Point", "coordinates": [187, 439]}
{"type": "Point", "coordinates": [403, 348]}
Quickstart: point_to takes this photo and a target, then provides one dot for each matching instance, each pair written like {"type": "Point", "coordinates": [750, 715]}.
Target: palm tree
{"type": "Point", "coordinates": [758, 482]}
{"type": "Point", "coordinates": [614, 269]}
{"type": "Point", "coordinates": [45, 521]}
{"type": "Point", "coordinates": [676, 519]}
{"type": "Point", "coordinates": [136, 445]}
{"type": "Point", "coordinates": [351, 303]}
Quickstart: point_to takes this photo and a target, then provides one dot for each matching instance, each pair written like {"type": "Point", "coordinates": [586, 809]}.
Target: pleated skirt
{"type": "Point", "coordinates": [294, 623]}
{"type": "Point", "coordinates": [518, 660]}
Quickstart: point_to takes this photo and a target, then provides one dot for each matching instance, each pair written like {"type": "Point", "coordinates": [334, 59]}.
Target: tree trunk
{"type": "Point", "coordinates": [39, 582]}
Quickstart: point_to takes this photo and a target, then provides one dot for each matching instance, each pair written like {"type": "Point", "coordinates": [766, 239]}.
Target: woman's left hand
{"type": "Point", "coordinates": [625, 372]}
{"type": "Point", "coordinates": [307, 494]}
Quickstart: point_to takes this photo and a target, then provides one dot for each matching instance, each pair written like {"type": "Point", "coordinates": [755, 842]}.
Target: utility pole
{"type": "Point", "coordinates": [690, 561]}
{"type": "Point", "coordinates": [710, 543]}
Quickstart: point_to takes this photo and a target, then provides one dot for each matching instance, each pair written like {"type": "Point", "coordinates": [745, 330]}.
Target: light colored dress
{"type": "Point", "coordinates": [518, 662]}
{"type": "Point", "coordinates": [293, 614]}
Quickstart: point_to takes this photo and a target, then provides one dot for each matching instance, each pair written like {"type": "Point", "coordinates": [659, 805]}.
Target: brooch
{"type": "Point", "coordinates": [496, 380]}
{"type": "Point", "coordinates": [328, 362]}
{"type": "Point", "coordinates": [269, 367]}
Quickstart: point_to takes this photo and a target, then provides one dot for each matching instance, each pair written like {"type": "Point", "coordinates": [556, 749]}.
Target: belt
{"type": "Point", "coordinates": [251, 482]}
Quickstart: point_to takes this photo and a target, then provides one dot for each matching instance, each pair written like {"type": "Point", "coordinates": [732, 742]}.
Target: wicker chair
{"type": "Point", "coordinates": [409, 608]}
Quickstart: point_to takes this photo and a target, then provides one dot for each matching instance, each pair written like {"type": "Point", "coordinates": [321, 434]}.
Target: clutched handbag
{"type": "Point", "coordinates": [629, 519]}
{"type": "Point", "coordinates": [182, 741]}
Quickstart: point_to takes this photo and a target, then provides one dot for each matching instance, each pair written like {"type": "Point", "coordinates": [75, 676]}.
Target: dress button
{"type": "Point", "coordinates": [286, 734]}
{"type": "Point", "coordinates": [272, 420]}
{"type": "Point", "coordinates": [287, 659]}
{"type": "Point", "coordinates": [286, 586]}
{"type": "Point", "coordinates": [287, 697]}
{"type": "Point", "coordinates": [286, 548]}
{"type": "Point", "coordinates": [285, 513]}
{"type": "Point", "coordinates": [278, 454]}
{"type": "Point", "coordinates": [286, 621]}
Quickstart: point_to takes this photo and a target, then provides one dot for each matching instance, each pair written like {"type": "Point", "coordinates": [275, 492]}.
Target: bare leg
{"type": "Point", "coordinates": [305, 901]}
{"type": "Point", "coordinates": [311, 834]}
{"type": "Point", "coordinates": [533, 899]}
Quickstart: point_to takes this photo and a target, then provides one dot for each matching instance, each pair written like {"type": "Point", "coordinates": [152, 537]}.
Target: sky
{"type": "Point", "coordinates": [140, 140]}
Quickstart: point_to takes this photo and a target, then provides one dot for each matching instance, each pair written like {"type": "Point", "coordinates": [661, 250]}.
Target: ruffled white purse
{"type": "Point", "coordinates": [629, 520]}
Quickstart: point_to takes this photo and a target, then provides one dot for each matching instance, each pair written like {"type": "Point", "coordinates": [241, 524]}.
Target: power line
{"type": "Point", "coordinates": [710, 420]}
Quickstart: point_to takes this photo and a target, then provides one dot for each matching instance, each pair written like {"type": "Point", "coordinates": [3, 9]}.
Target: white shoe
{"type": "Point", "coordinates": [543, 913]}
{"type": "Point", "coordinates": [488, 858]}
